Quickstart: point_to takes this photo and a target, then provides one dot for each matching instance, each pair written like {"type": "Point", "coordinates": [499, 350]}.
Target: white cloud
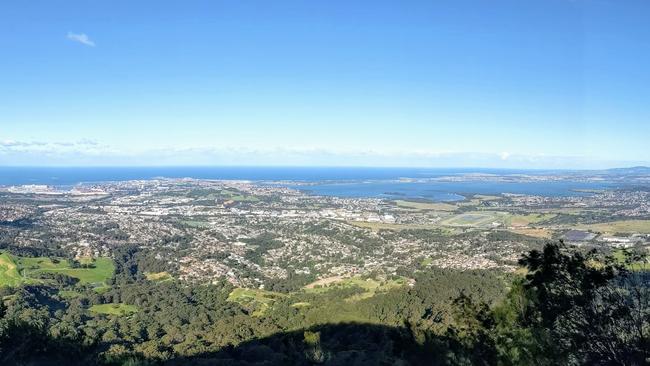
{"type": "Point", "coordinates": [93, 153]}
{"type": "Point", "coordinates": [81, 38]}
{"type": "Point", "coordinates": [50, 148]}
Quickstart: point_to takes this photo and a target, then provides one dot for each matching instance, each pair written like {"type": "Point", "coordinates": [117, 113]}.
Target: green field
{"type": "Point", "coordinates": [102, 289]}
{"type": "Point", "coordinates": [16, 270]}
{"type": "Point", "coordinates": [103, 270]}
{"type": "Point", "coordinates": [477, 219]}
{"type": "Point", "coordinates": [370, 286]}
{"type": "Point", "coordinates": [525, 220]}
{"type": "Point", "coordinates": [238, 196]}
{"type": "Point", "coordinates": [259, 300]}
{"type": "Point", "coordinates": [627, 226]}
{"type": "Point", "coordinates": [534, 232]}
{"type": "Point", "coordinates": [114, 309]}
{"type": "Point", "coordinates": [68, 294]}
{"type": "Point", "coordinates": [639, 263]}
{"type": "Point", "coordinates": [9, 275]}
{"type": "Point", "coordinates": [643, 264]}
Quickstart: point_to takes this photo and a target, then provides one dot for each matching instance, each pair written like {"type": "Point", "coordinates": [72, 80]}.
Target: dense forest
{"type": "Point", "coordinates": [565, 307]}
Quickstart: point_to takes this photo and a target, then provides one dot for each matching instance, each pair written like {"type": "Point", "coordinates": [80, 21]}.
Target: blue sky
{"type": "Point", "coordinates": [494, 83]}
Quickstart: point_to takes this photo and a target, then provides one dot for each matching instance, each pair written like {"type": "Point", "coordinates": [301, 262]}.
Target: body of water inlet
{"type": "Point", "coordinates": [450, 191]}
{"type": "Point", "coordinates": [342, 182]}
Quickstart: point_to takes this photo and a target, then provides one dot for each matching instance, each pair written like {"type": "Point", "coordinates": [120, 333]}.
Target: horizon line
{"type": "Point", "coordinates": [310, 167]}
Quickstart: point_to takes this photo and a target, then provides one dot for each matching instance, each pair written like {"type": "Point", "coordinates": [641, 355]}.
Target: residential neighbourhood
{"type": "Point", "coordinates": [210, 229]}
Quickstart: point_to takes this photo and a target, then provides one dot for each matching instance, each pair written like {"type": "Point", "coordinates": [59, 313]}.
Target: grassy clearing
{"type": "Point", "coordinates": [642, 264]}
{"type": "Point", "coordinates": [433, 206]}
{"type": "Point", "coordinates": [259, 300]}
{"type": "Point", "coordinates": [323, 282]}
{"type": "Point", "coordinates": [477, 219]}
{"type": "Point", "coordinates": [238, 196]}
{"type": "Point", "coordinates": [86, 260]}
{"type": "Point", "coordinates": [103, 270]}
{"type": "Point", "coordinates": [114, 309]}
{"type": "Point", "coordinates": [16, 270]}
{"type": "Point", "coordinates": [619, 255]}
{"type": "Point", "coordinates": [158, 276]}
{"type": "Point", "coordinates": [628, 226]}
{"type": "Point", "coordinates": [9, 275]}
{"type": "Point", "coordinates": [67, 294]}
{"type": "Point", "coordinates": [536, 233]}
{"type": "Point", "coordinates": [102, 289]}
{"type": "Point", "coordinates": [370, 286]}
{"type": "Point", "coordinates": [373, 287]}
{"type": "Point", "coordinates": [32, 266]}
{"type": "Point", "coordinates": [525, 220]}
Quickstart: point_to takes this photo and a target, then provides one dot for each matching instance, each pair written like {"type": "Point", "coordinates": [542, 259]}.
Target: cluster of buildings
{"type": "Point", "coordinates": [211, 229]}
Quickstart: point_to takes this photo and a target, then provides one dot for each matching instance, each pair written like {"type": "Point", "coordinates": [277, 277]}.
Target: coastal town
{"type": "Point", "coordinates": [251, 233]}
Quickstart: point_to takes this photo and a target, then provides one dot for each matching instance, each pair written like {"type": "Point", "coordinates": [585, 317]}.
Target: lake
{"type": "Point", "coordinates": [343, 182]}
{"type": "Point", "coordinates": [449, 191]}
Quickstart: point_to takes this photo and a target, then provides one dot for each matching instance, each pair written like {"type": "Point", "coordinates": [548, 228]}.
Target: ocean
{"type": "Point", "coordinates": [71, 176]}
{"type": "Point", "coordinates": [343, 182]}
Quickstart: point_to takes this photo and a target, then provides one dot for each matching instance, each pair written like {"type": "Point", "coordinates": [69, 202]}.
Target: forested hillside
{"type": "Point", "coordinates": [565, 307]}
